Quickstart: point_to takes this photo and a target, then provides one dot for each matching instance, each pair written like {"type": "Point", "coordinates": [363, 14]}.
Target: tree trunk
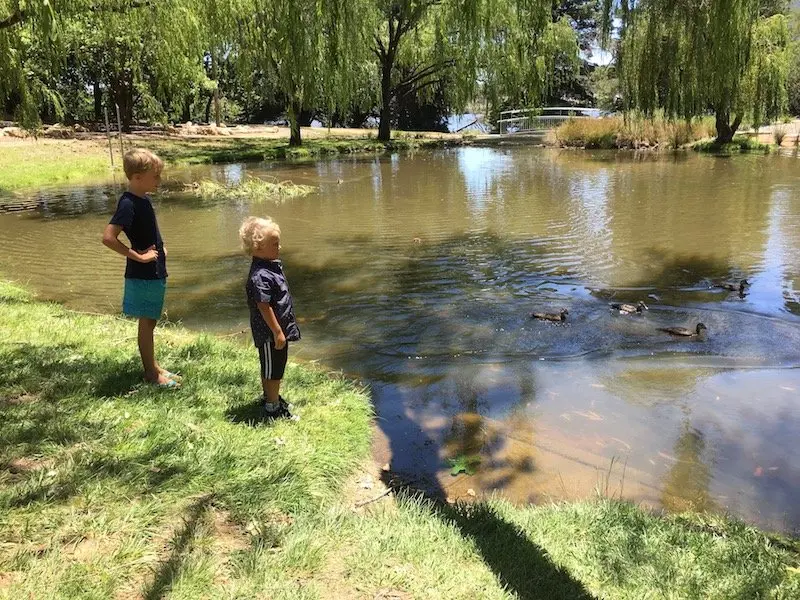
{"type": "Point", "coordinates": [294, 121]}
{"type": "Point", "coordinates": [215, 76]}
{"type": "Point", "coordinates": [385, 125]}
{"type": "Point", "coordinates": [186, 115]}
{"type": "Point", "coordinates": [98, 101]}
{"type": "Point", "coordinates": [725, 129]}
{"type": "Point", "coordinates": [123, 97]}
{"type": "Point", "coordinates": [208, 108]}
{"type": "Point", "coordinates": [122, 93]}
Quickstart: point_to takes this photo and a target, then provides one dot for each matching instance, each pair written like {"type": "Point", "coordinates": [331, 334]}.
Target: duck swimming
{"type": "Point", "coordinates": [559, 316]}
{"type": "Point", "coordinates": [683, 331]}
{"type": "Point", "coordinates": [629, 309]}
{"type": "Point", "coordinates": [733, 287]}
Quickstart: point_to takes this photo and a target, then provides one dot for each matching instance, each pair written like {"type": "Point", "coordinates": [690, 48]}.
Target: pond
{"type": "Point", "coordinates": [418, 274]}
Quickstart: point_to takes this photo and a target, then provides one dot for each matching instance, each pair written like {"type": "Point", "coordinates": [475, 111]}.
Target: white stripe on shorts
{"type": "Point", "coordinates": [267, 361]}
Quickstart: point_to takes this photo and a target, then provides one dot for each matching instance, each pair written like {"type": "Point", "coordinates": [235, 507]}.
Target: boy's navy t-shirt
{"type": "Point", "coordinates": [138, 220]}
{"type": "Point", "coordinates": [266, 283]}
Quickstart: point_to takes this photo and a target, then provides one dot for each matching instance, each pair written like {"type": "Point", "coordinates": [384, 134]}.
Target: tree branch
{"type": "Point", "coordinates": [416, 89]}
{"type": "Point", "coordinates": [416, 75]}
{"type": "Point", "coordinates": [381, 47]}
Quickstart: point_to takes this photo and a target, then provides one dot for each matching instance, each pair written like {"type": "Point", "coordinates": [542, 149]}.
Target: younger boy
{"type": "Point", "coordinates": [146, 268]}
{"type": "Point", "coordinates": [272, 319]}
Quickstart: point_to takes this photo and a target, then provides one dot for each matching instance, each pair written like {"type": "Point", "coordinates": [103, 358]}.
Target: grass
{"type": "Point", "coordinates": [634, 132]}
{"type": "Point", "coordinates": [113, 489]}
{"type": "Point", "coordinates": [30, 164]}
{"type": "Point", "coordinates": [251, 188]}
{"type": "Point", "coordinates": [226, 150]}
{"type": "Point", "coordinates": [740, 144]}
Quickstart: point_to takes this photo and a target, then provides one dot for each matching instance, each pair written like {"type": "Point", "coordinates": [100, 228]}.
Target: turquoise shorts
{"type": "Point", "coordinates": [144, 298]}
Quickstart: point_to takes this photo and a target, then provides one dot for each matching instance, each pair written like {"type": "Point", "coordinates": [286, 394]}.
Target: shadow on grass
{"type": "Point", "coordinates": [251, 413]}
{"type": "Point", "coordinates": [521, 566]}
{"type": "Point", "coordinates": [170, 569]}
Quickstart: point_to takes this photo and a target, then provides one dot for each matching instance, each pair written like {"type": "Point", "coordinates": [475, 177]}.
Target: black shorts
{"type": "Point", "coordinates": [273, 362]}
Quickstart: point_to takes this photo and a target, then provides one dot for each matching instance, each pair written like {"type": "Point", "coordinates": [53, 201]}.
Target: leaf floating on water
{"type": "Point", "coordinates": [626, 444]}
{"type": "Point", "coordinates": [591, 415]}
{"type": "Point", "coordinates": [464, 464]}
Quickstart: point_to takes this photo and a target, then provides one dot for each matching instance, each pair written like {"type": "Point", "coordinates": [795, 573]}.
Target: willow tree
{"type": "Point", "coordinates": [134, 50]}
{"type": "Point", "coordinates": [508, 46]}
{"type": "Point", "coordinates": [20, 21]}
{"type": "Point", "coordinates": [689, 58]}
{"type": "Point", "coordinates": [309, 48]}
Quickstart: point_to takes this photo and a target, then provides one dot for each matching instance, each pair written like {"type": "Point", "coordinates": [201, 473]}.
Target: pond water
{"type": "Point", "coordinates": [417, 275]}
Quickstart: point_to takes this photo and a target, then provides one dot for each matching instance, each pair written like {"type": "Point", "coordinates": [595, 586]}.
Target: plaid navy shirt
{"type": "Point", "coordinates": [267, 284]}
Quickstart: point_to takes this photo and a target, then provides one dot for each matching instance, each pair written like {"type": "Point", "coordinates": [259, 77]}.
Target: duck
{"type": "Point", "coordinates": [559, 316]}
{"type": "Point", "coordinates": [684, 332]}
{"type": "Point", "coordinates": [733, 287]}
{"type": "Point", "coordinates": [629, 309]}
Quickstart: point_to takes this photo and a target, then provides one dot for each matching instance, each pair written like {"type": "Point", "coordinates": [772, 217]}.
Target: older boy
{"type": "Point", "coordinates": [272, 319]}
{"type": "Point", "coordinates": [146, 268]}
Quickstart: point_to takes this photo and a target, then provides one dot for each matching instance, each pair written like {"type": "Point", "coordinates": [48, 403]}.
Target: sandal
{"type": "Point", "coordinates": [173, 376]}
{"type": "Point", "coordinates": [169, 384]}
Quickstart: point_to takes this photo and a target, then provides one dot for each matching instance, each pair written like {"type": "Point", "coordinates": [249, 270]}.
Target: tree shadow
{"type": "Point", "coordinates": [170, 569]}
{"type": "Point", "coordinates": [520, 565]}
{"type": "Point", "coordinates": [51, 393]}
{"type": "Point", "coordinates": [64, 370]}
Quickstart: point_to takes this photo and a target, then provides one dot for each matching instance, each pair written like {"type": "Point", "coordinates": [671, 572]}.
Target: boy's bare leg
{"type": "Point", "coordinates": [272, 390]}
{"type": "Point", "coordinates": [152, 372]}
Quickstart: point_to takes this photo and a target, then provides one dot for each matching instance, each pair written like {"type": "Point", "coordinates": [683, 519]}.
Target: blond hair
{"type": "Point", "coordinates": [255, 230]}
{"type": "Point", "coordinates": [140, 160]}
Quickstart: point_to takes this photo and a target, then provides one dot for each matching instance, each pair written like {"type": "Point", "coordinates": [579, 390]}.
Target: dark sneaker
{"type": "Point", "coordinates": [285, 404]}
{"type": "Point", "coordinates": [282, 412]}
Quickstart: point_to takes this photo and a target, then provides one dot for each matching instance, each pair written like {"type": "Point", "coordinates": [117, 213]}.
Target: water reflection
{"type": "Point", "coordinates": [417, 275]}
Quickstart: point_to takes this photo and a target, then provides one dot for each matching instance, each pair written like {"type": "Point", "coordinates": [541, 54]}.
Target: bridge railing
{"type": "Point", "coordinates": [541, 119]}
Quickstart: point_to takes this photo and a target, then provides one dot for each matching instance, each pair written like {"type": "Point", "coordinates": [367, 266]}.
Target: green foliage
{"type": "Point", "coordinates": [308, 48]}
{"type": "Point", "coordinates": [739, 144]}
{"type": "Point", "coordinates": [464, 464]}
{"type": "Point", "coordinates": [605, 88]}
{"type": "Point", "coordinates": [691, 57]}
{"type": "Point", "coordinates": [252, 189]}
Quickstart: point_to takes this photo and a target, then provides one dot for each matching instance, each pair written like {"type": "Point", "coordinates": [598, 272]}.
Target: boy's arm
{"type": "Point", "coordinates": [272, 322]}
{"type": "Point", "coordinates": [111, 240]}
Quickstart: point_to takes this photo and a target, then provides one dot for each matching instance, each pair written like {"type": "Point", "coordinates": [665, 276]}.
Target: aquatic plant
{"type": "Point", "coordinates": [250, 188]}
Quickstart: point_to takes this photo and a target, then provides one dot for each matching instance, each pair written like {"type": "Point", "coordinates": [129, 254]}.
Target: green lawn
{"type": "Point", "coordinates": [113, 489]}
{"type": "Point", "coordinates": [27, 166]}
